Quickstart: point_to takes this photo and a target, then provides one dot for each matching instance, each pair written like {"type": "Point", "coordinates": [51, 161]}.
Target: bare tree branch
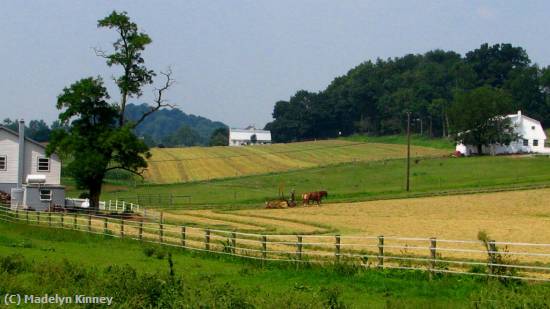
{"type": "Point", "coordinates": [140, 174]}
{"type": "Point", "coordinates": [100, 52]}
{"type": "Point", "coordinates": [160, 102]}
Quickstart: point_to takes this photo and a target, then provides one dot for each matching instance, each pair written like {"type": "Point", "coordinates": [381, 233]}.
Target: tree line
{"type": "Point", "coordinates": [374, 97]}
{"type": "Point", "coordinates": [37, 130]}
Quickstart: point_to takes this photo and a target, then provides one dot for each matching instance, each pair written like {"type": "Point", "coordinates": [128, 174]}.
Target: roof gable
{"type": "Point", "coordinates": [17, 135]}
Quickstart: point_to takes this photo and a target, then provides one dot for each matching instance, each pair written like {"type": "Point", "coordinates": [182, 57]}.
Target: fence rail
{"type": "Point", "coordinates": [505, 260]}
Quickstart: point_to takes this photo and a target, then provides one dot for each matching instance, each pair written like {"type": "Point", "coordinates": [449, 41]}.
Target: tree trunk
{"type": "Point", "coordinates": [421, 127]}
{"type": "Point", "coordinates": [95, 193]}
{"type": "Point", "coordinates": [447, 122]}
{"type": "Point", "coordinates": [124, 98]}
{"type": "Point", "coordinates": [443, 133]}
{"type": "Point", "coordinates": [479, 149]}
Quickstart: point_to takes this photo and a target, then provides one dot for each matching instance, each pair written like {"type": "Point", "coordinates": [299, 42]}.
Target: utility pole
{"type": "Point", "coordinates": [408, 149]}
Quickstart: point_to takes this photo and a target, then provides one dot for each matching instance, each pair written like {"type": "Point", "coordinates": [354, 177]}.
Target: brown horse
{"type": "Point", "coordinates": [314, 197]}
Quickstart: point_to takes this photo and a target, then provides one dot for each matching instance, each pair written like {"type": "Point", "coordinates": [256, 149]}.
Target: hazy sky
{"type": "Point", "coordinates": [234, 59]}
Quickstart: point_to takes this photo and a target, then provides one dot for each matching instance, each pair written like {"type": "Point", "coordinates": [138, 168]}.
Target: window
{"type": "Point", "coordinates": [525, 142]}
{"type": "Point", "coordinates": [43, 164]}
{"type": "Point", "coordinates": [3, 163]}
{"type": "Point", "coordinates": [535, 142]}
{"type": "Point", "coordinates": [45, 195]}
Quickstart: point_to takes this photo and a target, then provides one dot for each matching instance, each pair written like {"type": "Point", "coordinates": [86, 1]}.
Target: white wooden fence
{"type": "Point", "coordinates": [505, 260]}
{"type": "Point", "coordinates": [110, 205]}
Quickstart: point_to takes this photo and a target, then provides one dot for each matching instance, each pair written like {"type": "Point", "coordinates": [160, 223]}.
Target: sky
{"type": "Point", "coordinates": [234, 59]}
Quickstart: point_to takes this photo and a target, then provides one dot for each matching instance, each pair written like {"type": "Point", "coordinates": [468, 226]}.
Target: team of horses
{"type": "Point", "coordinates": [317, 196]}
{"type": "Point", "coordinates": [307, 199]}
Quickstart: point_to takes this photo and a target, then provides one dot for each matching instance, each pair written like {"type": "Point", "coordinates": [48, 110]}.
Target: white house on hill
{"type": "Point", "coordinates": [241, 137]}
{"type": "Point", "coordinates": [32, 178]}
{"type": "Point", "coordinates": [531, 139]}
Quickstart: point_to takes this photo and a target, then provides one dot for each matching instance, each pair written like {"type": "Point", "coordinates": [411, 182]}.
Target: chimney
{"type": "Point", "coordinates": [21, 167]}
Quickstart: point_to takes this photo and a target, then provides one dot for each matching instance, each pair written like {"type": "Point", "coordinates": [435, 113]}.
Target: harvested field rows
{"type": "Point", "coordinates": [530, 260]}
{"type": "Point", "coordinates": [520, 216]}
{"type": "Point", "coordinates": [170, 165]}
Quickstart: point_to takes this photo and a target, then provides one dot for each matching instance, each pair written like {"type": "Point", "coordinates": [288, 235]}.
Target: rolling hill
{"type": "Point", "coordinates": [172, 165]}
{"type": "Point", "coordinates": [166, 122]}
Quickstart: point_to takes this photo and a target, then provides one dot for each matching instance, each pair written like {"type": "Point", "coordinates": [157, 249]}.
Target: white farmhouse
{"type": "Point", "coordinates": [32, 178]}
{"type": "Point", "coordinates": [531, 139]}
{"type": "Point", "coordinates": [240, 137]}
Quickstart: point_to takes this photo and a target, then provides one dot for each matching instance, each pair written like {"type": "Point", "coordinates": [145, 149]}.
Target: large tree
{"type": "Point", "coordinates": [477, 117]}
{"type": "Point", "coordinates": [220, 137]}
{"type": "Point", "coordinates": [371, 97]}
{"type": "Point", "coordinates": [96, 136]}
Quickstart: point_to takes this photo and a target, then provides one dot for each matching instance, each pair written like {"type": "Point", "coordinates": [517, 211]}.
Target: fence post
{"type": "Point", "coordinates": [299, 248]}
{"type": "Point", "coordinates": [233, 242]}
{"type": "Point", "coordinates": [74, 221]}
{"type": "Point", "coordinates": [89, 223]}
{"type": "Point", "coordinates": [122, 228]}
{"type": "Point", "coordinates": [62, 217]}
{"type": "Point", "coordinates": [381, 251]}
{"type": "Point", "coordinates": [17, 213]}
{"type": "Point", "coordinates": [207, 239]}
{"type": "Point", "coordinates": [49, 218]}
{"type": "Point", "coordinates": [141, 230]}
{"type": "Point", "coordinates": [27, 215]}
{"type": "Point", "coordinates": [38, 217]}
{"type": "Point", "coordinates": [492, 255]}
{"type": "Point", "coordinates": [433, 252]}
{"type": "Point", "coordinates": [264, 247]}
{"type": "Point", "coordinates": [161, 216]}
{"type": "Point", "coordinates": [106, 226]}
{"type": "Point", "coordinates": [183, 236]}
{"type": "Point", "coordinates": [161, 232]}
{"type": "Point", "coordinates": [337, 248]}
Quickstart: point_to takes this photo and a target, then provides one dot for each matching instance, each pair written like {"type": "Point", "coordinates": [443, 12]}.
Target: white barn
{"type": "Point", "coordinates": [531, 139]}
{"type": "Point", "coordinates": [241, 137]}
{"type": "Point", "coordinates": [32, 178]}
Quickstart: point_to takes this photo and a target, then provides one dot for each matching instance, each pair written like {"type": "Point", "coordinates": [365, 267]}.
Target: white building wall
{"type": "Point", "coordinates": [238, 137]}
{"type": "Point", "coordinates": [527, 128]}
{"type": "Point", "coordinates": [32, 153]}
{"type": "Point", "coordinates": [9, 147]}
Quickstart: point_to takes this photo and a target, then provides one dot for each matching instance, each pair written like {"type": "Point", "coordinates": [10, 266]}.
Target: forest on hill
{"type": "Point", "coordinates": [171, 127]}
{"type": "Point", "coordinates": [374, 97]}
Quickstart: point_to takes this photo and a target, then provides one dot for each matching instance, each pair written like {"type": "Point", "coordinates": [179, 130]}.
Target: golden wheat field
{"type": "Point", "coordinates": [407, 224]}
{"type": "Point", "coordinates": [171, 165]}
{"type": "Point", "coordinates": [519, 216]}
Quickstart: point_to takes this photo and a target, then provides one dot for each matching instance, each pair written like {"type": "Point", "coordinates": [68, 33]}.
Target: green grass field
{"type": "Point", "coordinates": [417, 140]}
{"type": "Point", "coordinates": [348, 182]}
{"type": "Point", "coordinates": [172, 165]}
{"type": "Point", "coordinates": [42, 261]}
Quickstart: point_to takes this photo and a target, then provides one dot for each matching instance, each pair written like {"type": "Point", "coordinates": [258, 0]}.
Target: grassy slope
{"type": "Point", "coordinates": [66, 262]}
{"type": "Point", "coordinates": [418, 140]}
{"type": "Point", "coordinates": [355, 181]}
{"type": "Point", "coordinates": [170, 165]}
